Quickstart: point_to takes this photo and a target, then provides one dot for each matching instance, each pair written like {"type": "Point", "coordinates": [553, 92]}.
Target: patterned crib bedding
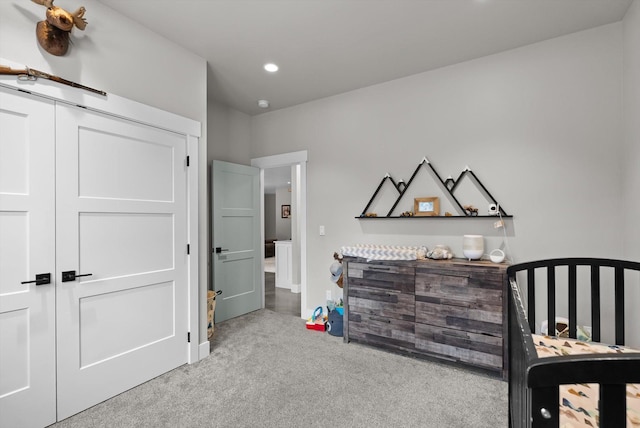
{"type": "Point", "coordinates": [579, 402]}
{"type": "Point", "coordinates": [383, 252]}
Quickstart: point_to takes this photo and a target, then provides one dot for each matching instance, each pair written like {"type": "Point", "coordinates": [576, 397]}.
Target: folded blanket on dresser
{"type": "Point", "coordinates": [579, 402]}
{"type": "Point", "coordinates": [383, 252]}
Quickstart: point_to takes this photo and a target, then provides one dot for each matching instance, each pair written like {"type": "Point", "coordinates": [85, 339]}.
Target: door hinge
{"type": "Point", "coordinates": [187, 160]}
{"type": "Point", "coordinates": [188, 249]}
{"type": "Point", "coordinates": [189, 337]}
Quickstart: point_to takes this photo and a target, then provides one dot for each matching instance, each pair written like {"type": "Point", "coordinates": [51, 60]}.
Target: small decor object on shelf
{"type": "Point", "coordinates": [473, 246]}
{"type": "Point", "coordinates": [440, 252]}
{"type": "Point", "coordinates": [426, 206]}
{"type": "Point", "coordinates": [407, 214]}
{"type": "Point", "coordinates": [53, 33]}
{"type": "Point", "coordinates": [369, 215]}
{"type": "Point", "coordinates": [471, 210]}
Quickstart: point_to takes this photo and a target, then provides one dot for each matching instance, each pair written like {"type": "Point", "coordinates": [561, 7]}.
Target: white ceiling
{"type": "Point", "coordinates": [326, 47]}
{"type": "Point", "coordinates": [275, 178]}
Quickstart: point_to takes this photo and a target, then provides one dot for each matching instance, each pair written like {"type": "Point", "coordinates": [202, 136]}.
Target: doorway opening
{"type": "Point", "coordinates": [283, 229]}
{"type": "Point", "coordinates": [279, 293]}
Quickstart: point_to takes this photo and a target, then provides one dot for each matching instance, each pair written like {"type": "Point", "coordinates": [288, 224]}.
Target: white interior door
{"type": "Point", "coordinates": [121, 217]}
{"type": "Point", "coordinates": [236, 239]}
{"type": "Point", "coordinates": [27, 248]}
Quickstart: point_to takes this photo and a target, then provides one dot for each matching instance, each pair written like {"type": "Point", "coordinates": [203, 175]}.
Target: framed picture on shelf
{"type": "Point", "coordinates": [426, 206]}
{"type": "Point", "coordinates": [286, 211]}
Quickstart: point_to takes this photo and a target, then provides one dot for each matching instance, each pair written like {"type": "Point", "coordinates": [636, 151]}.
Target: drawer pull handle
{"type": "Point", "coordinates": [459, 276]}
{"type": "Point", "coordinates": [388, 321]}
{"type": "Point", "coordinates": [457, 336]}
{"type": "Point", "coordinates": [379, 268]}
{"type": "Point", "coordinates": [458, 304]}
{"type": "Point", "coordinates": [378, 293]}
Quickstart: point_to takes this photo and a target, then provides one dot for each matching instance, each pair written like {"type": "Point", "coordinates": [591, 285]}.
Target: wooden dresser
{"type": "Point", "coordinates": [453, 310]}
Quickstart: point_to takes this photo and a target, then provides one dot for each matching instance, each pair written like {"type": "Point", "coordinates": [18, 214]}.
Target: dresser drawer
{"type": "Point", "coordinates": [459, 287]}
{"type": "Point", "coordinates": [382, 331]}
{"type": "Point", "coordinates": [457, 345]}
{"type": "Point", "coordinates": [383, 277]}
{"type": "Point", "coordinates": [393, 304]}
{"type": "Point", "coordinates": [474, 318]}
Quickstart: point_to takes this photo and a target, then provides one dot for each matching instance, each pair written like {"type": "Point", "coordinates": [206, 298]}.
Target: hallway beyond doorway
{"type": "Point", "coordinates": [280, 300]}
{"type": "Point", "coordinates": [270, 264]}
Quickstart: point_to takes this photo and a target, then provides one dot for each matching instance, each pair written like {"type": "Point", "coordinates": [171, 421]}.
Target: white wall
{"type": "Point", "coordinates": [631, 25]}
{"type": "Point", "coordinates": [540, 125]}
{"type": "Point", "coordinates": [631, 203]}
{"type": "Point", "coordinates": [228, 134]}
{"type": "Point", "coordinates": [121, 57]}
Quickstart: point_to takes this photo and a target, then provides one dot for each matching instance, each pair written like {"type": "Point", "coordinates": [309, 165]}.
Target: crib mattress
{"type": "Point", "coordinates": [579, 402]}
{"type": "Point", "coordinates": [382, 252]}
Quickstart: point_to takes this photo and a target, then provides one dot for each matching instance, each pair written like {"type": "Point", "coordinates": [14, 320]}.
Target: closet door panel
{"type": "Point", "coordinates": [109, 166]}
{"type": "Point", "coordinates": [121, 217]}
{"type": "Point", "coordinates": [27, 248]}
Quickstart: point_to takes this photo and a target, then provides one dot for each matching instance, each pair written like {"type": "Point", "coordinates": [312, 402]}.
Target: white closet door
{"type": "Point", "coordinates": [121, 217]}
{"type": "Point", "coordinates": [27, 248]}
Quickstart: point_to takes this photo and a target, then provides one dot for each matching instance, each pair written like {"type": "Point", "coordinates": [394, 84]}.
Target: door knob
{"type": "Point", "coordinates": [41, 279]}
{"type": "Point", "coordinates": [71, 275]}
{"type": "Point", "coordinates": [220, 249]}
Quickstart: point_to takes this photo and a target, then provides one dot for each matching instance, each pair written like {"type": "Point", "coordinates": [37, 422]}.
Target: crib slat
{"type": "Point", "coordinates": [551, 300]}
{"type": "Point", "coordinates": [595, 303]}
{"type": "Point", "coordinates": [531, 298]}
{"type": "Point", "coordinates": [613, 406]}
{"type": "Point", "coordinates": [572, 301]}
{"type": "Point", "coordinates": [619, 302]}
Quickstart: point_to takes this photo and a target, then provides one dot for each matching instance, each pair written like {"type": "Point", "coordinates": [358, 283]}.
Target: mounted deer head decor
{"type": "Point", "coordinates": [53, 33]}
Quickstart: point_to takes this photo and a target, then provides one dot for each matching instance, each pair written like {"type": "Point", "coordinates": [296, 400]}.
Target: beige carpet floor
{"type": "Point", "coordinates": [267, 370]}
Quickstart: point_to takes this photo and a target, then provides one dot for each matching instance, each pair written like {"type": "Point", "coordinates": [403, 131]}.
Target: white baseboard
{"type": "Point", "coordinates": [203, 350]}
{"type": "Point", "coordinates": [296, 288]}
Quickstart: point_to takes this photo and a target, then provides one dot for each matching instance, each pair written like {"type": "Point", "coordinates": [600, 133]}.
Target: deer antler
{"type": "Point", "coordinates": [78, 19]}
{"type": "Point", "coordinates": [45, 3]}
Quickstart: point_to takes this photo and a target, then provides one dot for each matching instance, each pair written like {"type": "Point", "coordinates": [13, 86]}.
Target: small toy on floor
{"type": "Point", "coordinates": [318, 320]}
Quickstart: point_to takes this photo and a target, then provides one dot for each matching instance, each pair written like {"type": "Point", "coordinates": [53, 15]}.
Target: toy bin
{"type": "Point", "coordinates": [335, 323]}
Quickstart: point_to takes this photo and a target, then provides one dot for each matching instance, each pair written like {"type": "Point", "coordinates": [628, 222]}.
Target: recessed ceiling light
{"type": "Point", "coordinates": [263, 103]}
{"type": "Point", "coordinates": [271, 67]}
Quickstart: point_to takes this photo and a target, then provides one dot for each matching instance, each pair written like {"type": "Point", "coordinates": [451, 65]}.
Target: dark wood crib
{"type": "Point", "coordinates": [534, 382]}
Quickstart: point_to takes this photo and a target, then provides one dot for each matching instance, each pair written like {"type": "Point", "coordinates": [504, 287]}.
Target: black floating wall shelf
{"type": "Point", "coordinates": [449, 186]}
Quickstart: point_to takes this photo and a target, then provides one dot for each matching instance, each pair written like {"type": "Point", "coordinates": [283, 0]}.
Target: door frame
{"type": "Point", "coordinates": [124, 108]}
{"type": "Point", "coordinates": [299, 160]}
